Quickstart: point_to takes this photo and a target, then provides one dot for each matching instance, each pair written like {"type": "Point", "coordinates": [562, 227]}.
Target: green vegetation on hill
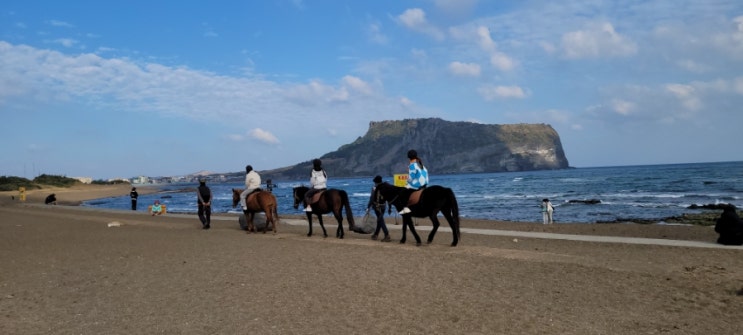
{"type": "Point", "coordinates": [11, 183]}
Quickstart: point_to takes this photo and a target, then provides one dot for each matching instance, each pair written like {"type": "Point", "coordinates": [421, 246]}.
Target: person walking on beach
{"type": "Point", "coordinates": [417, 176]}
{"type": "Point", "coordinates": [547, 210]}
{"type": "Point", "coordinates": [204, 197]}
{"type": "Point", "coordinates": [318, 182]}
{"type": "Point", "coordinates": [377, 203]}
{"type": "Point", "coordinates": [133, 195]}
{"type": "Point", "coordinates": [252, 183]}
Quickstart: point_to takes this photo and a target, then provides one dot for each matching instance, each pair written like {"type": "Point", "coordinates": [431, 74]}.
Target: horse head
{"type": "Point", "coordinates": [390, 194]}
{"type": "Point", "coordinates": [235, 196]}
{"type": "Point", "coordinates": [298, 193]}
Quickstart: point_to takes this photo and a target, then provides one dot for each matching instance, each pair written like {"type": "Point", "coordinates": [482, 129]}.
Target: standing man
{"type": "Point", "coordinates": [252, 183]}
{"type": "Point", "coordinates": [204, 194]}
{"type": "Point", "coordinates": [133, 194]}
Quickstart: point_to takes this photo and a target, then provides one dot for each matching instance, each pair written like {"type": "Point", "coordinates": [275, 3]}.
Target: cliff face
{"type": "Point", "coordinates": [445, 148]}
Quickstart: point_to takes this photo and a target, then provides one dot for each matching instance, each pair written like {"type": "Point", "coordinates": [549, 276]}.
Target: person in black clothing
{"type": "Point", "coordinates": [377, 203]}
{"type": "Point", "coordinates": [133, 194]}
{"type": "Point", "coordinates": [204, 194]}
{"type": "Point", "coordinates": [730, 227]}
{"type": "Point", "coordinates": [50, 200]}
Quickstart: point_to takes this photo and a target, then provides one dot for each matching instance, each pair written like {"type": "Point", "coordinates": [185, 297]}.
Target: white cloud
{"type": "Point", "coordinates": [622, 107]}
{"type": "Point", "coordinates": [405, 102]}
{"type": "Point", "coordinates": [58, 23]}
{"type": "Point", "coordinates": [687, 94]}
{"type": "Point", "coordinates": [501, 92]}
{"type": "Point", "coordinates": [66, 42]}
{"type": "Point", "coordinates": [415, 19]}
{"type": "Point", "coordinates": [263, 136]}
{"type": "Point", "coordinates": [598, 40]}
{"type": "Point", "coordinates": [484, 40]}
{"type": "Point", "coordinates": [464, 69]}
{"type": "Point", "coordinates": [502, 62]}
{"type": "Point", "coordinates": [374, 30]}
{"type": "Point", "coordinates": [357, 85]}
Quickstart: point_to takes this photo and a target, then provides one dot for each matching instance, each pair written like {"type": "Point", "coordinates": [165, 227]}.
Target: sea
{"type": "Point", "coordinates": [579, 195]}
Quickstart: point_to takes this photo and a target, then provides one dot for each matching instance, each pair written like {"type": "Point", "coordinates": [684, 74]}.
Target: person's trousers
{"type": "Point", "coordinates": [381, 225]}
{"type": "Point", "coordinates": [205, 214]}
{"type": "Point", "coordinates": [134, 205]}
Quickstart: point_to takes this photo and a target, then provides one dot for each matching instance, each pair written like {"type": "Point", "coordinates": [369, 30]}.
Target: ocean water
{"type": "Point", "coordinates": [648, 192]}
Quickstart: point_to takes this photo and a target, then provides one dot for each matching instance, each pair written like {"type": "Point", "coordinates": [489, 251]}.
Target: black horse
{"type": "Point", "coordinates": [331, 200]}
{"type": "Point", "coordinates": [433, 200]}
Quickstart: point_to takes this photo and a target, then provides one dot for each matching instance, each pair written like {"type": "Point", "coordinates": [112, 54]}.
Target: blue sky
{"type": "Point", "coordinates": [124, 88]}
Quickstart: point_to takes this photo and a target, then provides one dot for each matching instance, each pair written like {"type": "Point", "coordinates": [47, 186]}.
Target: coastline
{"type": "Point", "coordinates": [74, 196]}
{"type": "Point", "coordinates": [66, 270]}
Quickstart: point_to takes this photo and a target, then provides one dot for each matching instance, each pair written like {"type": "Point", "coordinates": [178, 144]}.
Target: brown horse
{"type": "Point", "coordinates": [331, 200]}
{"type": "Point", "coordinates": [258, 201]}
{"type": "Point", "coordinates": [433, 199]}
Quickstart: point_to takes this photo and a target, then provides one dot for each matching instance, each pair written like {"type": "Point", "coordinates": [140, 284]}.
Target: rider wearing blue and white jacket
{"type": "Point", "coordinates": [417, 176]}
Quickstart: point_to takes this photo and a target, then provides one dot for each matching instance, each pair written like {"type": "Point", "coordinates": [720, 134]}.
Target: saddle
{"type": "Point", "coordinates": [414, 197]}
{"type": "Point", "coordinates": [252, 195]}
{"type": "Point", "coordinates": [316, 197]}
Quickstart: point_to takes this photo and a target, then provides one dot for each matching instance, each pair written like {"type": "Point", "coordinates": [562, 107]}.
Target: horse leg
{"type": "Point", "coordinates": [454, 228]}
{"type": "Point", "coordinates": [412, 231]}
{"type": "Point", "coordinates": [436, 223]}
{"type": "Point", "coordinates": [339, 217]}
{"type": "Point", "coordinates": [309, 220]}
{"type": "Point", "coordinates": [405, 220]}
{"type": "Point", "coordinates": [251, 225]}
{"type": "Point", "coordinates": [319, 219]}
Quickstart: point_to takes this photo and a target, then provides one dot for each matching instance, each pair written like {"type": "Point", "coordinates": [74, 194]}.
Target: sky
{"type": "Point", "coordinates": [118, 89]}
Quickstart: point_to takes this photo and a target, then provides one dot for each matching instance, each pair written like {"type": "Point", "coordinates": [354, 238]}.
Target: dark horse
{"type": "Point", "coordinates": [331, 200]}
{"type": "Point", "coordinates": [433, 200]}
{"type": "Point", "coordinates": [258, 201]}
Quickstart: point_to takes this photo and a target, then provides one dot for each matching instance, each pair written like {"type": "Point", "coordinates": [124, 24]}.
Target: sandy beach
{"type": "Point", "coordinates": [68, 269]}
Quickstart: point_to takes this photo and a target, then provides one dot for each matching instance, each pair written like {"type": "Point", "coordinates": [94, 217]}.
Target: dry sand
{"type": "Point", "coordinates": [65, 271]}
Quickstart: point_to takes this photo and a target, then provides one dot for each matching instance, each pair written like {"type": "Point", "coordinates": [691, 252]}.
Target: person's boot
{"type": "Point", "coordinates": [386, 238]}
{"type": "Point", "coordinates": [374, 237]}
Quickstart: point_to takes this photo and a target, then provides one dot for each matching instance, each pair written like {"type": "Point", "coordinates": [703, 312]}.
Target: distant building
{"type": "Point", "coordinates": [84, 180]}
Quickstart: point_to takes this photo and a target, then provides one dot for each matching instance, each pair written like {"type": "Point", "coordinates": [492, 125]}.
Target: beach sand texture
{"type": "Point", "coordinates": [68, 269]}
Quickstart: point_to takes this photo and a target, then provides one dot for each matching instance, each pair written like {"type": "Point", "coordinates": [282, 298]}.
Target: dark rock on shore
{"type": "Point", "coordinates": [710, 206]}
{"type": "Point", "coordinates": [588, 201]}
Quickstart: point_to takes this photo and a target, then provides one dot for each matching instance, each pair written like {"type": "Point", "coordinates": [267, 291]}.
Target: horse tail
{"type": "Point", "coordinates": [347, 205]}
{"type": "Point", "coordinates": [454, 211]}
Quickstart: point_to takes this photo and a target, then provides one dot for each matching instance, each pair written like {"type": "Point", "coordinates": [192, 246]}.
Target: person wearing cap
{"type": "Point", "coordinates": [318, 182]}
{"type": "Point", "coordinates": [252, 183]}
{"type": "Point", "coordinates": [417, 176]}
{"type": "Point", "coordinates": [377, 203]}
{"type": "Point", "coordinates": [156, 208]}
{"type": "Point", "coordinates": [204, 198]}
{"type": "Point", "coordinates": [134, 195]}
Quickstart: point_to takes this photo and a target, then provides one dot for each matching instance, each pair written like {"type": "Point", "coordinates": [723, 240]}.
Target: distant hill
{"type": "Point", "coordinates": [445, 147]}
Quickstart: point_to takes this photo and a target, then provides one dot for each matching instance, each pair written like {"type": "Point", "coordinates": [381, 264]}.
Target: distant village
{"type": "Point", "coordinates": [145, 180]}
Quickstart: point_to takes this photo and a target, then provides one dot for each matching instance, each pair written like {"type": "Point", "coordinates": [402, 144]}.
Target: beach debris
{"type": "Point", "coordinates": [515, 240]}
{"type": "Point", "coordinates": [114, 224]}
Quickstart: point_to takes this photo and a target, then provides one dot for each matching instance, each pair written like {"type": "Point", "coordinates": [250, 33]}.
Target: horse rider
{"type": "Point", "coordinates": [252, 183]}
{"type": "Point", "coordinates": [417, 176]}
{"type": "Point", "coordinates": [318, 182]}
